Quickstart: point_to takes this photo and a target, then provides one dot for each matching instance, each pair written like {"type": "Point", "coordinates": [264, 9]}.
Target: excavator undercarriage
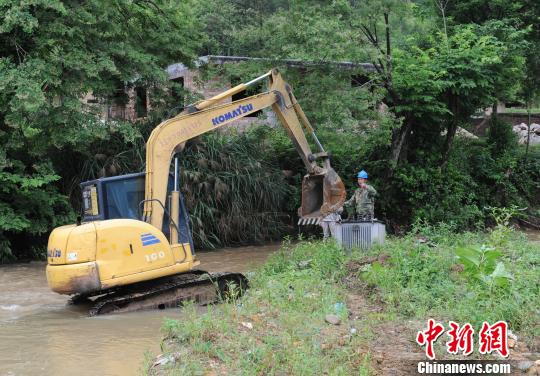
{"type": "Point", "coordinates": [197, 286]}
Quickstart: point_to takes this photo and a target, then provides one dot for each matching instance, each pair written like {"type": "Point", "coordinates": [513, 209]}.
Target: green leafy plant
{"type": "Point", "coordinates": [502, 231]}
{"type": "Point", "coordinates": [482, 264]}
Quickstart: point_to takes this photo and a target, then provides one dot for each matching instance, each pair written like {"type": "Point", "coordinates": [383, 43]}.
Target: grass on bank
{"type": "Point", "coordinates": [427, 279]}
{"type": "Point", "coordinates": [278, 327]}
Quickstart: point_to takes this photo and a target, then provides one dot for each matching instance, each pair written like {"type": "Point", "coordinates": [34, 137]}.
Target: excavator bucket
{"type": "Point", "coordinates": [322, 193]}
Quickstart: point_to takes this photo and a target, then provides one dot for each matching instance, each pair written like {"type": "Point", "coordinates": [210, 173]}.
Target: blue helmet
{"type": "Point", "coordinates": [362, 175]}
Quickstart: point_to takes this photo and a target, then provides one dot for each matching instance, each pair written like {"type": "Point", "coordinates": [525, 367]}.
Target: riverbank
{"type": "Point", "coordinates": [311, 309]}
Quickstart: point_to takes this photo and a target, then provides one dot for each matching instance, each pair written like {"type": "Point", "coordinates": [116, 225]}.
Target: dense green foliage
{"type": "Point", "coordinates": [52, 54]}
{"type": "Point", "coordinates": [434, 68]}
{"type": "Point", "coordinates": [437, 79]}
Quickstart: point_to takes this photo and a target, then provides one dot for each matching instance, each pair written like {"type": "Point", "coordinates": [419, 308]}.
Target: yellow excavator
{"type": "Point", "coordinates": [132, 248]}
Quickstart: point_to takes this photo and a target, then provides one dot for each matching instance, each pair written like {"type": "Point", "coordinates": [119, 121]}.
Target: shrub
{"type": "Point", "coordinates": [425, 280]}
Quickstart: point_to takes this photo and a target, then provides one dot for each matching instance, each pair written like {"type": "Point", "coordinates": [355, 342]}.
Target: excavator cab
{"type": "Point", "coordinates": [112, 197]}
{"type": "Point", "coordinates": [121, 197]}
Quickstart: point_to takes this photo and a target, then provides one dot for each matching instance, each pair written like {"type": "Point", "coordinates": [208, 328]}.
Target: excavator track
{"type": "Point", "coordinates": [167, 292]}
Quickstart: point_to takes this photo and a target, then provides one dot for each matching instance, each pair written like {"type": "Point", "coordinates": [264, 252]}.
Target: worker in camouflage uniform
{"type": "Point", "coordinates": [328, 223]}
{"type": "Point", "coordinates": [363, 199]}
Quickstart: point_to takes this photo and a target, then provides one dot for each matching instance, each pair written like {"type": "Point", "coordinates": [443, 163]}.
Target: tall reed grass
{"type": "Point", "coordinates": [232, 182]}
{"type": "Point", "coordinates": [235, 190]}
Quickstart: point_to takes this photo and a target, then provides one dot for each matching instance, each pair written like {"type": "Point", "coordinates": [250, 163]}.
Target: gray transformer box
{"type": "Point", "coordinates": [360, 234]}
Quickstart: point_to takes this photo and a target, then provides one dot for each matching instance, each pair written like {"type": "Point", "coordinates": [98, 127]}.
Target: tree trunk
{"type": "Point", "coordinates": [450, 135]}
{"type": "Point", "coordinates": [400, 140]}
{"type": "Point", "coordinates": [451, 129]}
{"type": "Point", "coordinates": [388, 50]}
{"type": "Point", "coordinates": [528, 128]}
{"type": "Point", "coordinates": [494, 112]}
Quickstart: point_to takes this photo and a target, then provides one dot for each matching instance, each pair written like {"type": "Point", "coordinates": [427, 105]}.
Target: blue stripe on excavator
{"type": "Point", "coordinates": [150, 242]}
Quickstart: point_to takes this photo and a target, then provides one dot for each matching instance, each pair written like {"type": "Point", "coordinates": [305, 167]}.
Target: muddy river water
{"type": "Point", "coordinates": [41, 335]}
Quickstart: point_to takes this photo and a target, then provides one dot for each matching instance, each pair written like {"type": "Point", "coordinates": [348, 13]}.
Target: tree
{"type": "Point", "coordinates": [521, 15]}
{"type": "Point", "coordinates": [52, 54]}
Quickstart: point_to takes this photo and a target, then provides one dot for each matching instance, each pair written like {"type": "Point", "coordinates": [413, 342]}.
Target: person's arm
{"type": "Point", "coordinates": [371, 191]}
{"type": "Point", "coordinates": [351, 201]}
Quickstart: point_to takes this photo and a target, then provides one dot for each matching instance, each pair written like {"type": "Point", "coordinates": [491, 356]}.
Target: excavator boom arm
{"type": "Point", "coordinates": [170, 136]}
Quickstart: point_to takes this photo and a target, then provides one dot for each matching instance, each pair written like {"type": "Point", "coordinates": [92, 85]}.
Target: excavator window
{"type": "Point", "coordinates": [113, 197]}
{"type": "Point", "coordinates": [90, 200]}
{"type": "Point", "coordinates": [120, 196]}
